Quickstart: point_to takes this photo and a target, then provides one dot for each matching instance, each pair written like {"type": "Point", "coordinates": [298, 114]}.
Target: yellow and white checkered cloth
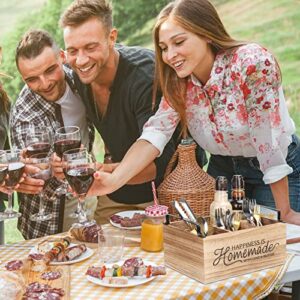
{"type": "Point", "coordinates": [172, 286]}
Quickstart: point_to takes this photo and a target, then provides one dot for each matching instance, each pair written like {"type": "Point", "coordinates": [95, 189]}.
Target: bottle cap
{"type": "Point", "coordinates": [237, 182]}
{"type": "Point", "coordinates": [156, 210]}
{"type": "Point", "coordinates": [221, 183]}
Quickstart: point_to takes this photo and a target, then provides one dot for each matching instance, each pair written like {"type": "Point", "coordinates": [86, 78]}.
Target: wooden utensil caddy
{"type": "Point", "coordinates": [224, 254]}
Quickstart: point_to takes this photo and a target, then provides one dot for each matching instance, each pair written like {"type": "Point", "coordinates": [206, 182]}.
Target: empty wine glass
{"type": "Point", "coordinates": [15, 168]}
{"type": "Point", "coordinates": [42, 162]}
{"type": "Point", "coordinates": [79, 169]}
{"type": "Point", "coordinates": [38, 141]}
{"type": "Point", "coordinates": [66, 138]}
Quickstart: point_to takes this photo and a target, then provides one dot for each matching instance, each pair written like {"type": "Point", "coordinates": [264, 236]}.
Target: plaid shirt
{"type": "Point", "coordinates": [29, 111]}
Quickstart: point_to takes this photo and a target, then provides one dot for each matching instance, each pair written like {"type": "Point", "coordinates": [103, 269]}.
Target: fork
{"type": "Point", "coordinates": [248, 212]}
{"type": "Point", "coordinates": [256, 214]}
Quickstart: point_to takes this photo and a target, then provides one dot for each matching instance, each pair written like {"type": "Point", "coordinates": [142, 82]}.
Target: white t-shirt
{"type": "Point", "coordinates": [74, 114]}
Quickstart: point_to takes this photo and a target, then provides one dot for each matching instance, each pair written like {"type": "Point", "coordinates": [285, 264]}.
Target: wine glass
{"type": "Point", "coordinates": [15, 168]}
{"type": "Point", "coordinates": [3, 166]}
{"type": "Point", "coordinates": [79, 169]}
{"type": "Point", "coordinates": [76, 153]}
{"type": "Point", "coordinates": [42, 162]}
{"type": "Point", "coordinates": [38, 141]}
{"type": "Point", "coordinates": [66, 138]}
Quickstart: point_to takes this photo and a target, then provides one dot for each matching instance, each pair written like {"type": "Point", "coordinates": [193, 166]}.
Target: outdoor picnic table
{"type": "Point", "coordinates": [171, 286]}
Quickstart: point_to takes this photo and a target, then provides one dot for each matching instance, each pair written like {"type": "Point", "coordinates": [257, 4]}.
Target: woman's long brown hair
{"type": "Point", "coordinates": [201, 18]}
{"type": "Point", "coordinates": [4, 100]}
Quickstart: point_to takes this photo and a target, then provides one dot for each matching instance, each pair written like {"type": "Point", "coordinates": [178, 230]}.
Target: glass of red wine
{"type": "Point", "coordinates": [76, 153]}
{"type": "Point", "coordinates": [38, 141]}
{"type": "Point", "coordinates": [42, 162]}
{"type": "Point", "coordinates": [15, 168]}
{"type": "Point", "coordinates": [79, 169]}
{"type": "Point", "coordinates": [66, 138]}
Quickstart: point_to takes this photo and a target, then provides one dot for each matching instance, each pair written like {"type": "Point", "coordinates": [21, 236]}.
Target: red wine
{"type": "Point", "coordinates": [15, 171]}
{"type": "Point", "coordinates": [38, 148]}
{"type": "Point", "coordinates": [80, 179]}
{"type": "Point", "coordinates": [3, 172]}
{"type": "Point", "coordinates": [64, 145]}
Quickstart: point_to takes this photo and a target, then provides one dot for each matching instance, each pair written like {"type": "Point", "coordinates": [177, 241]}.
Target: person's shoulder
{"type": "Point", "coordinates": [251, 48]}
{"type": "Point", "coordinates": [24, 105]}
{"type": "Point", "coordinates": [136, 65]}
{"type": "Point", "coordinates": [25, 96]}
{"type": "Point", "coordinates": [68, 71]}
{"type": "Point", "coordinates": [253, 51]}
{"type": "Point", "coordinates": [136, 55]}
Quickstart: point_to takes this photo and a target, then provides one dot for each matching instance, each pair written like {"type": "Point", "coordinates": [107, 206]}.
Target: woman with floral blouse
{"type": "Point", "coordinates": [228, 95]}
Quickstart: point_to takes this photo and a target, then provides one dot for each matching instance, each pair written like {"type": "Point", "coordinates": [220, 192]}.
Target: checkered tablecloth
{"type": "Point", "coordinates": [172, 286]}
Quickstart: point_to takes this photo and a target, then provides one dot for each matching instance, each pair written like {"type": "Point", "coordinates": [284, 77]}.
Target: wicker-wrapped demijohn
{"type": "Point", "coordinates": [187, 181]}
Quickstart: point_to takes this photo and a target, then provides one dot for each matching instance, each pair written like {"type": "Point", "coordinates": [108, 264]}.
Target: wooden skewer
{"type": "Point", "coordinates": [293, 240]}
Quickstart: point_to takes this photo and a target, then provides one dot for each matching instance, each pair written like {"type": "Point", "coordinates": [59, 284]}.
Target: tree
{"type": "Point", "coordinates": [129, 16]}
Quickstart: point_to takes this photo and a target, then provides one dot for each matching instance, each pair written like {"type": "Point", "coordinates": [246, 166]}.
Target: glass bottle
{"type": "Point", "coordinates": [220, 199]}
{"type": "Point", "coordinates": [152, 228]}
{"type": "Point", "coordinates": [237, 192]}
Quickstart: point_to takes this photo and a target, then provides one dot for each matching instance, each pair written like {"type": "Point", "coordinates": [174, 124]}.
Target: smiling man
{"type": "Point", "coordinates": [116, 85]}
{"type": "Point", "coordinates": [48, 99]}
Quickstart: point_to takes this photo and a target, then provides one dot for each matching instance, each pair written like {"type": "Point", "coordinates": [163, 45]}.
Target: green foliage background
{"type": "Point", "coordinates": [128, 16]}
{"type": "Point", "coordinates": [273, 23]}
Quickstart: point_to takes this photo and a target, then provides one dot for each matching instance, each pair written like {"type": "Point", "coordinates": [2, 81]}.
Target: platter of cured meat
{"type": "Point", "coordinates": [28, 279]}
{"type": "Point", "coordinates": [130, 219]}
{"type": "Point", "coordinates": [123, 274]}
{"type": "Point", "coordinates": [72, 254]}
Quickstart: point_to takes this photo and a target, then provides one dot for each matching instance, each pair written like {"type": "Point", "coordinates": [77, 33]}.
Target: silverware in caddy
{"type": "Point", "coordinates": [188, 216]}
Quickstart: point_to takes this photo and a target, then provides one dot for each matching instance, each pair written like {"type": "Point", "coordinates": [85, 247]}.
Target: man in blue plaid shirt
{"type": "Point", "coordinates": [47, 83]}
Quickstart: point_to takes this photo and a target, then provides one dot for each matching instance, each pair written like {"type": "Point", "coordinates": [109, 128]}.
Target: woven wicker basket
{"type": "Point", "coordinates": [187, 181]}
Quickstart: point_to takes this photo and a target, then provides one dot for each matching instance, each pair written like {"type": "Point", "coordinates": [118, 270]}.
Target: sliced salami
{"type": "Point", "coordinates": [14, 265]}
{"type": "Point", "coordinates": [41, 296]}
{"type": "Point", "coordinates": [133, 262]}
{"type": "Point", "coordinates": [36, 256]}
{"type": "Point", "coordinates": [116, 219]}
{"type": "Point", "coordinates": [134, 221]}
{"type": "Point", "coordinates": [36, 287]}
{"type": "Point", "coordinates": [94, 271]}
{"type": "Point", "coordinates": [128, 222]}
{"type": "Point", "coordinates": [51, 275]}
{"type": "Point", "coordinates": [40, 291]}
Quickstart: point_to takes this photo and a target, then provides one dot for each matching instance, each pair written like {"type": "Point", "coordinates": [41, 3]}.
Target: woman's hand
{"type": "Point", "coordinates": [103, 184]}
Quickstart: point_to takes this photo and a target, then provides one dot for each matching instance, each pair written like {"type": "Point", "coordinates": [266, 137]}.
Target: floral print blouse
{"type": "Point", "coordinates": [240, 111]}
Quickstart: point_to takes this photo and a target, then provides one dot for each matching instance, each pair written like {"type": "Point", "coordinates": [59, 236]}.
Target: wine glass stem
{"type": "Point", "coordinates": [9, 208]}
{"type": "Point", "coordinates": [81, 211]}
{"type": "Point", "coordinates": [41, 206]}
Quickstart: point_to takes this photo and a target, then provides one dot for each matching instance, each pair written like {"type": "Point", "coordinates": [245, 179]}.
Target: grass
{"type": "Point", "coordinates": [12, 234]}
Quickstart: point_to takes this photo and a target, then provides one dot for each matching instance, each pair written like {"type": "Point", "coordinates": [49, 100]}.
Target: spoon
{"type": "Point", "coordinates": [235, 221]}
